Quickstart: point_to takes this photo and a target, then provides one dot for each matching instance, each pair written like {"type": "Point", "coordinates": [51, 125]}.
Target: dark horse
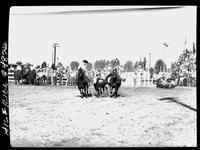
{"type": "Point", "coordinates": [26, 75]}
{"type": "Point", "coordinates": [100, 87]}
{"type": "Point", "coordinates": [82, 83]}
{"type": "Point", "coordinates": [114, 82]}
{"type": "Point", "coordinates": [17, 76]}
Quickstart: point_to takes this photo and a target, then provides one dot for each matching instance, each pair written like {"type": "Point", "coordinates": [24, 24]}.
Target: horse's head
{"type": "Point", "coordinates": [114, 77]}
{"type": "Point", "coordinates": [80, 73]}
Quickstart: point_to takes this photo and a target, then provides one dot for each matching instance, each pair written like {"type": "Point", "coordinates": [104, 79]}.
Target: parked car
{"type": "Point", "coordinates": [165, 83]}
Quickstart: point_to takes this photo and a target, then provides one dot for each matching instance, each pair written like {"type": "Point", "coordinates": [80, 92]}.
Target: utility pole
{"type": "Point", "coordinates": [52, 58]}
{"type": "Point", "coordinates": [166, 45]}
{"type": "Point", "coordinates": [149, 61]}
{"type": "Point", "coordinates": [55, 45]}
{"type": "Point", "coordinates": [57, 60]}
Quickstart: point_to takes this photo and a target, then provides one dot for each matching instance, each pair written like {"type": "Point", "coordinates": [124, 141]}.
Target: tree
{"type": "Point", "coordinates": [27, 65]}
{"type": "Point", "coordinates": [187, 63]}
{"type": "Point", "coordinates": [128, 66]}
{"type": "Point", "coordinates": [136, 64]}
{"type": "Point", "coordinates": [159, 66]}
{"type": "Point", "coordinates": [144, 63]}
{"type": "Point", "coordinates": [74, 65]}
{"type": "Point", "coordinates": [140, 62]}
{"type": "Point", "coordinates": [100, 64]}
{"type": "Point", "coordinates": [19, 63]}
{"type": "Point", "coordinates": [172, 66]}
{"type": "Point", "coordinates": [89, 66]}
{"type": "Point", "coordinates": [37, 67]}
{"type": "Point", "coordinates": [44, 64]}
{"type": "Point", "coordinates": [53, 66]}
{"type": "Point", "coordinates": [115, 62]}
{"type": "Point", "coordinates": [193, 48]}
{"type": "Point", "coordinates": [60, 64]}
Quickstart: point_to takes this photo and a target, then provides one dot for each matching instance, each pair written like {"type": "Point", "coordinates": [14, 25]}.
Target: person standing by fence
{"type": "Point", "coordinates": [135, 79]}
{"type": "Point", "coordinates": [49, 76]}
{"type": "Point", "coordinates": [60, 74]}
{"type": "Point", "coordinates": [67, 75]}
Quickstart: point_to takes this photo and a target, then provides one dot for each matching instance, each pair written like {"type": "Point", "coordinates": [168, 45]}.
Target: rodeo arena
{"type": "Point", "coordinates": [110, 107]}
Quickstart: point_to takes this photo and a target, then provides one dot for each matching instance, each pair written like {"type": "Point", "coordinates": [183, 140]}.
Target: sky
{"type": "Point", "coordinates": [93, 36]}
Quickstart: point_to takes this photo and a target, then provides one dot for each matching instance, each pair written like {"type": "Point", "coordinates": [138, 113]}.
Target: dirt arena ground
{"type": "Point", "coordinates": [54, 116]}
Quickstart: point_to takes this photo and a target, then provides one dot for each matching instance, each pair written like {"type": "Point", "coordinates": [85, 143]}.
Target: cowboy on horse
{"type": "Point", "coordinates": [99, 84]}
{"type": "Point", "coordinates": [113, 72]}
{"type": "Point", "coordinates": [83, 65]}
{"type": "Point", "coordinates": [83, 80]}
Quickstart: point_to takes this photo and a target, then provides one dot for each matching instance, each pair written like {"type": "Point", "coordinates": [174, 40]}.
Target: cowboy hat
{"type": "Point", "coordinates": [85, 61]}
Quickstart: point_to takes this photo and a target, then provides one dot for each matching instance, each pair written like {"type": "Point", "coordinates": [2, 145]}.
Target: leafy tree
{"type": "Point", "coordinates": [100, 64]}
{"type": "Point", "coordinates": [89, 66]}
{"type": "Point", "coordinates": [128, 66]}
{"type": "Point", "coordinates": [60, 64]}
{"type": "Point", "coordinates": [187, 63]}
{"type": "Point", "coordinates": [115, 62]}
{"type": "Point", "coordinates": [140, 62]}
{"type": "Point", "coordinates": [193, 48]}
{"type": "Point", "coordinates": [173, 67]}
{"type": "Point", "coordinates": [74, 65]}
{"type": "Point", "coordinates": [159, 66]}
{"type": "Point", "coordinates": [136, 64]}
{"type": "Point", "coordinates": [44, 64]}
{"type": "Point", "coordinates": [27, 65]}
{"type": "Point", "coordinates": [19, 63]}
{"type": "Point", "coordinates": [37, 67]}
{"type": "Point", "coordinates": [53, 66]}
{"type": "Point", "coordinates": [144, 63]}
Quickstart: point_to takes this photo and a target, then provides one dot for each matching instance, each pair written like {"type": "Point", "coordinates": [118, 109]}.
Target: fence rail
{"type": "Point", "coordinates": [130, 80]}
{"type": "Point", "coordinates": [64, 79]}
{"type": "Point", "coordinates": [71, 82]}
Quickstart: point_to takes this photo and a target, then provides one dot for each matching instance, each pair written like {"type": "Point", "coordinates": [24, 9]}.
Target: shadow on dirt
{"type": "Point", "coordinates": [174, 99]}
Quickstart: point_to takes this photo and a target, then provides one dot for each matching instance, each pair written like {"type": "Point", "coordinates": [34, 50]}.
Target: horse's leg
{"type": "Point", "coordinates": [81, 92]}
{"type": "Point", "coordinates": [102, 90]}
{"type": "Point", "coordinates": [87, 90]}
{"type": "Point", "coordinates": [84, 92]}
{"type": "Point", "coordinates": [113, 93]}
{"type": "Point", "coordinates": [43, 80]}
{"type": "Point", "coordinates": [116, 92]}
{"type": "Point", "coordinates": [110, 89]}
{"type": "Point", "coordinates": [105, 89]}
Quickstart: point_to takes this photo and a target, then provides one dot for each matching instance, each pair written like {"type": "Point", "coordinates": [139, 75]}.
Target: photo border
{"type": "Point", "coordinates": [5, 8]}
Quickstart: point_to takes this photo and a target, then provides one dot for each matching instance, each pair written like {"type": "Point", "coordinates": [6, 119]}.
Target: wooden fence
{"type": "Point", "coordinates": [71, 82]}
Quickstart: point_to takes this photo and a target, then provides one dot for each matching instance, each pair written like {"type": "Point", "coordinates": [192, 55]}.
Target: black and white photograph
{"type": "Point", "coordinates": [102, 76]}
